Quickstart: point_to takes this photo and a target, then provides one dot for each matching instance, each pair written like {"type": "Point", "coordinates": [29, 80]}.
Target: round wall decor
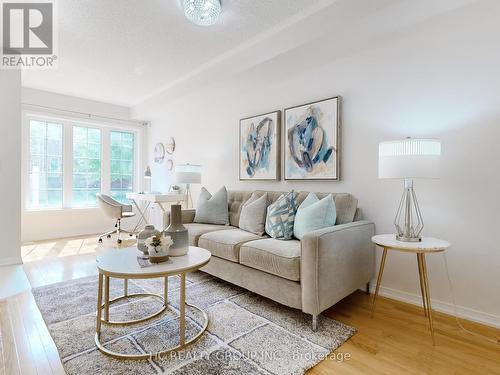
{"type": "Point", "coordinates": [170, 164]}
{"type": "Point", "coordinates": [170, 146]}
{"type": "Point", "coordinates": [159, 153]}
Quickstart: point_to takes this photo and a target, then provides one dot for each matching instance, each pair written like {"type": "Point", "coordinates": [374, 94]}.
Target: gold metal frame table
{"type": "Point", "coordinates": [426, 246]}
{"type": "Point", "coordinates": [123, 264]}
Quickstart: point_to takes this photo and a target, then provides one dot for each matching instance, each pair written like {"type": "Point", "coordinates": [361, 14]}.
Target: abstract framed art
{"type": "Point", "coordinates": [259, 147]}
{"type": "Point", "coordinates": [311, 144]}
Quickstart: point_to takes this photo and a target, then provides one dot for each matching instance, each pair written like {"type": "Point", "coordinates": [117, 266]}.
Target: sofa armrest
{"type": "Point", "coordinates": [335, 261]}
{"type": "Point", "coordinates": [187, 216]}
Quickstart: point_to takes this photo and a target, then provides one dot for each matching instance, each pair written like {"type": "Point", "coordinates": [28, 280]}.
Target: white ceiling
{"type": "Point", "coordinates": [121, 51]}
{"type": "Point", "coordinates": [141, 52]}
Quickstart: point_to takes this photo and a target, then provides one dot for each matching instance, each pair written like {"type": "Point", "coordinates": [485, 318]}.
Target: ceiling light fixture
{"type": "Point", "coordinates": [202, 12]}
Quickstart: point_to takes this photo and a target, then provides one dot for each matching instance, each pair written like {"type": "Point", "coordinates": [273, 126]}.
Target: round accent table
{"type": "Point", "coordinates": [123, 264]}
{"type": "Point", "coordinates": [426, 246]}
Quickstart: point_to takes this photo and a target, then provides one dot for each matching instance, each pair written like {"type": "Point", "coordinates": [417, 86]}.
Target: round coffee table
{"type": "Point", "coordinates": [123, 264]}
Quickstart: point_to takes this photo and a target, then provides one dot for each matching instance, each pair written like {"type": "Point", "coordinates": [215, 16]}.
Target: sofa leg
{"type": "Point", "coordinates": [314, 322]}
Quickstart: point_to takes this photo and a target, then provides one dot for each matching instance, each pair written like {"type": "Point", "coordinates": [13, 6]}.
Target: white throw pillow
{"type": "Point", "coordinates": [212, 209]}
{"type": "Point", "coordinates": [253, 214]}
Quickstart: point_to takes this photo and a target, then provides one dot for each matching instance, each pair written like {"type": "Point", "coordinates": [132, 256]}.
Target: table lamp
{"type": "Point", "coordinates": [188, 174]}
{"type": "Point", "coordinates": [408, 159]}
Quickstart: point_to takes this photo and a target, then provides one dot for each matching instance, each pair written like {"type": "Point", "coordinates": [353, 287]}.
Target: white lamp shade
{"type": "Point", "coordinates": [188, 174]}
{"type": "Point", "coordinates": [409, 158]}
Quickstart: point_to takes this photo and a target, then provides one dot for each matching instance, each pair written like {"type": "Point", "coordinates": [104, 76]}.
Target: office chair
{"type": "Point", "coordinates": [115, 210]}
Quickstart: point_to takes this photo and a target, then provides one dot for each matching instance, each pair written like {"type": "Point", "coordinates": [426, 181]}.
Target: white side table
{"type": "Point", "coordinates": [122, 264]}
{"type": "Point", "coordinates": [426, 246]}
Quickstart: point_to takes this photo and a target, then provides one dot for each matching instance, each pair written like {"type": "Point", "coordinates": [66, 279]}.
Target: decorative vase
{"type": "Point", "coordinates": [177, 232]}
{"type": "Point", "coordinates": [161, 251]}
{"type": "Point", "coordinates": [148, 231]}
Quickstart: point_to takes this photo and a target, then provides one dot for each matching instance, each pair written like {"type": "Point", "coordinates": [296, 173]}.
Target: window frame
{"type": "Point", "coordinates": [68, 122]}
{"type": "Point", "coordinates": [28, 161]}
{"type": "Point", "coordinates": [80, 125]}
{"type": "Point", "coordinates": [134, 161]}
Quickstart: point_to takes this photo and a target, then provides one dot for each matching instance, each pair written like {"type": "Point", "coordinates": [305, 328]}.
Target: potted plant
{"type": "Point", "coordinates": [158, 248]}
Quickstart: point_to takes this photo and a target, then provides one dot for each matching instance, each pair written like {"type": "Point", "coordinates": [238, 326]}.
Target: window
{"type": "Point", "coordinates": [45, 165]}
{"type": "Point", "coordinates": [69, 161]}
{"type": "Point", "coordinates": [122, 165]}
{"type": "Point", "coordinates": [86, 166]}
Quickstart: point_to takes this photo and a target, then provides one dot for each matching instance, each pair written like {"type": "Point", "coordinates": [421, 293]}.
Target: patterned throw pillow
{"type": "Point", "coordinates": [281, 216]}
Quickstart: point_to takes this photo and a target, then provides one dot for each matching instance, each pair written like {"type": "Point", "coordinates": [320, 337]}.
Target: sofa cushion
{"type": "Point", "coordinates": [195, 230]}
{"type": "Point", "coordinates": [235, 201]}
{"type": "Point", "coordinates": [345, 203]}
{"type": "Point", "coordinates": [253, 214]}
{"type": "Point", "coordinates": [212, 209]}
{"type": "Point", "coordinates": [226, 243]}
{"type": "Point", "coordinates": [281, 258]}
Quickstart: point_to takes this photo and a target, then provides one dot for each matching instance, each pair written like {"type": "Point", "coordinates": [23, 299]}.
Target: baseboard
{"type": "Point", "coordinates": [10, 261]}
{"type": "Point", "coordinates": [444, 307]}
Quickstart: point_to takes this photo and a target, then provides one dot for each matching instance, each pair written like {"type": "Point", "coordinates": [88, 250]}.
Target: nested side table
{"type": "Point", "coordinates": [426, 246]}
{"type": "Point", "coordinates": [122, 264]}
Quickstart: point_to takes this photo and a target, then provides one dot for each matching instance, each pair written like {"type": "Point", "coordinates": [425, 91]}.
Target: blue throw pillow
{"type": "Point", "coordinates": [280, 217]}
{"type": "Point", "coordinates": [314, 214]}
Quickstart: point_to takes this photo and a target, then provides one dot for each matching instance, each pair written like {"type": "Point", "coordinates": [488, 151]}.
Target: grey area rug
{"type": "Point", "coordinates": [247, 333]}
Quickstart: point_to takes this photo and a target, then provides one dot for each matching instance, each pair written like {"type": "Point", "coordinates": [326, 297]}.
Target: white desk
{"type": "Point", "coordinates": [153, 198]}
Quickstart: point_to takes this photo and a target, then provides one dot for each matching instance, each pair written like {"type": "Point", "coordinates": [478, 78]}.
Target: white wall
{"type": "Point", "coordinates": [48, 224]}
{"type": "Point", "coordinates": [440, 78]}
{"type": "Point", "coordinates": [10, 164]}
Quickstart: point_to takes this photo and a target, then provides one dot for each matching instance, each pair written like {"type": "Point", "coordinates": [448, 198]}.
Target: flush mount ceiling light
{"type": "Point", "coordinates": [202, 12]}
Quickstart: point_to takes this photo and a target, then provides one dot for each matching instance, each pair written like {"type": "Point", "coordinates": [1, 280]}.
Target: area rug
{"type": "Point", "coordinates": [247, 333]}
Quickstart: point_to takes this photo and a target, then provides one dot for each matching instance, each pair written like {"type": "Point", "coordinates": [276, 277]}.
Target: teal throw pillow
{"type": "Point", "coordinates": [314, 214]}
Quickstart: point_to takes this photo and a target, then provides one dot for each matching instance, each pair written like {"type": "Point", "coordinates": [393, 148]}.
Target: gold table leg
{"type": "Point", "coordinates": [182, 308]}
{"type": "Point", "coordinates": [427, 296]}
{"type": "Point", "coordinates": [379, 279]}
{"type": "Point", "coordinates": [106, 298]}
{"type": "Point", "coordinates": [422, 286]}
{"type": "Point", "coordinates": [99, 305]}
{"type": "Point", "coordinates": [104, 282]}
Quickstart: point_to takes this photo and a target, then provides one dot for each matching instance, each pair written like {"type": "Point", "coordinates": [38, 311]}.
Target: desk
{"type": "Point", "coordinates": [153, 198]}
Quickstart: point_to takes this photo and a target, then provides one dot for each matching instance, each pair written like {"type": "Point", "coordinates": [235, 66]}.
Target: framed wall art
{"type": "Point", "coordinates": [311, 141]}
{"type": "Point", "coordinates": [259, 147]}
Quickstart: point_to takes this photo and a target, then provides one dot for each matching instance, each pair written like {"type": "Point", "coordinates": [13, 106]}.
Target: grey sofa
{"type": "Point", "coordinates": [311, 275]}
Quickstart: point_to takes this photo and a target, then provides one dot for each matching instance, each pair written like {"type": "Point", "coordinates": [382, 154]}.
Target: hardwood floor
{"type": "Point", "coordinates": [395, 341]}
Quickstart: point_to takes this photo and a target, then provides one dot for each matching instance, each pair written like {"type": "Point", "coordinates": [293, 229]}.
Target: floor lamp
{"type": "Point", "coordinates": [188, 174]}
{"type": "Point", "coordinates": [409, 159]}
